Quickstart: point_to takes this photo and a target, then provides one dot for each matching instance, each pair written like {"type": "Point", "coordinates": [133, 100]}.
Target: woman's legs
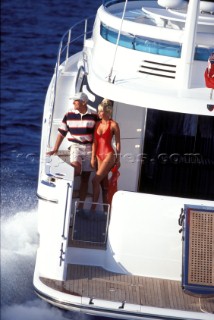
{"type": "Point", "coordinates": [102, 172]}
{"type": "Point", "coordinates": [104, 187]}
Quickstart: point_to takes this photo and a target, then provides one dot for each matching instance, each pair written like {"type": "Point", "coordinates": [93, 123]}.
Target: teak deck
{"type": "Point", "coordinates": [95, 282]}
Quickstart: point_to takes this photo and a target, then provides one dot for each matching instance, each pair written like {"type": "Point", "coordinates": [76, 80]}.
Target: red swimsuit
{"type": "Point", "coordinates": [103, 142]}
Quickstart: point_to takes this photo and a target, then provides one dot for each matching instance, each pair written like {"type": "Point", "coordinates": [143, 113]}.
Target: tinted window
{"type": "Point", "coordinates": [178, 158]}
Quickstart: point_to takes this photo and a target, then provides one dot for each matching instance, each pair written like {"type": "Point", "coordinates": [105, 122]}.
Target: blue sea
{"type": "Point", "coordinates": [30, 35]}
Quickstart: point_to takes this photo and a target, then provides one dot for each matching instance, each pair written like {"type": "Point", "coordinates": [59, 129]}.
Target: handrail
{"type": "Point", "coordinates": [69, 42]}
{"type": "Point", "coordinates": [66, 205]}
{"type": "Point", "coordinates": [62, 252]}
{"type": "Point", "coordinates": [109, 3]}
{"type": "Point", "coordinates": [69, 39]}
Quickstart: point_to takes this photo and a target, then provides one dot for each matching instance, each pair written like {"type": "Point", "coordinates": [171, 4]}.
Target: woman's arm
{"type": "Point", "coordinates": [94, 148]}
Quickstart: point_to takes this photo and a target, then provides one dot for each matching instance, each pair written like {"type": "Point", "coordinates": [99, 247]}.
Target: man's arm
{"type": "Point", "coordinates": [58, 142]}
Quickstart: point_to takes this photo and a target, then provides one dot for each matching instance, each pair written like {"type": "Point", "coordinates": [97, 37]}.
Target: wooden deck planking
{"type": "Point", "coordinates": [95, 282]}
{"type": "Point", "coordinates": [171, 289]}
{"type": "Point", "coordinates": [159, 295]}
{"type": "Point", "coordinates": [180, 300]}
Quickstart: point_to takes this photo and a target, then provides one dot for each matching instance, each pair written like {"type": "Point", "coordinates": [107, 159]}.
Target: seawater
{"type": "Point", "coordinates": [30, 35]}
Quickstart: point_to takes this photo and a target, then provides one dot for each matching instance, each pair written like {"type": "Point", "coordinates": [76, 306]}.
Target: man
{"type": "Point", "coordinates": [78, 125]}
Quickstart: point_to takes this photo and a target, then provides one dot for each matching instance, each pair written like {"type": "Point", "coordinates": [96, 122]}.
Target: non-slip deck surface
{"type": "Point", "coordinates": [98, 283]}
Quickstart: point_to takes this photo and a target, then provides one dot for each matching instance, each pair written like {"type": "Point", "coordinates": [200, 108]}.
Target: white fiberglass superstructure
{"type": "Point", "coordinates": [152, 254]}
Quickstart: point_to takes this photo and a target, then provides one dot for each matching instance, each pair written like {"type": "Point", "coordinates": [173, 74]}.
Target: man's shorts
{"type": "Point", "coordinates": [81, 153]}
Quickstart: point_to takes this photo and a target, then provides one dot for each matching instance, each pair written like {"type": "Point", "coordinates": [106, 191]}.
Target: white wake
{"type": "Point", "coordinates": [19, 242]}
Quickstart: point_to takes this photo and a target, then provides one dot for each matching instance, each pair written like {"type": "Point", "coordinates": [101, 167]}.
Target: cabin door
{"type": "Point", "coordinates": [131, 120]}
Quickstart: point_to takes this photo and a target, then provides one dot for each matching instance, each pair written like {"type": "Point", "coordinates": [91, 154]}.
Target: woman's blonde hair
{"type": "Point", "coordinates": [107, 106]}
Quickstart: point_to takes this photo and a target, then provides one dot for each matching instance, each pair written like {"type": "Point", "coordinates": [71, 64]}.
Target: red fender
{"type": "Point", "coordinates": [112, 183]}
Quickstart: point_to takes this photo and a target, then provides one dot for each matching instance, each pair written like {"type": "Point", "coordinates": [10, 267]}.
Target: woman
{"type": "Point", "coordinates": [104, 157]}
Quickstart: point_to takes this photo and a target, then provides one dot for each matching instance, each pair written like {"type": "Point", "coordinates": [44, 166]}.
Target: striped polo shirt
{"type": "Point", "coordinates": [78, 127]}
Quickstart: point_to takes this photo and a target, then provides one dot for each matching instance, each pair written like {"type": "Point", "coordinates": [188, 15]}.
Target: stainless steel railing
{"type": "Point", "coordinates": [71, 42]}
